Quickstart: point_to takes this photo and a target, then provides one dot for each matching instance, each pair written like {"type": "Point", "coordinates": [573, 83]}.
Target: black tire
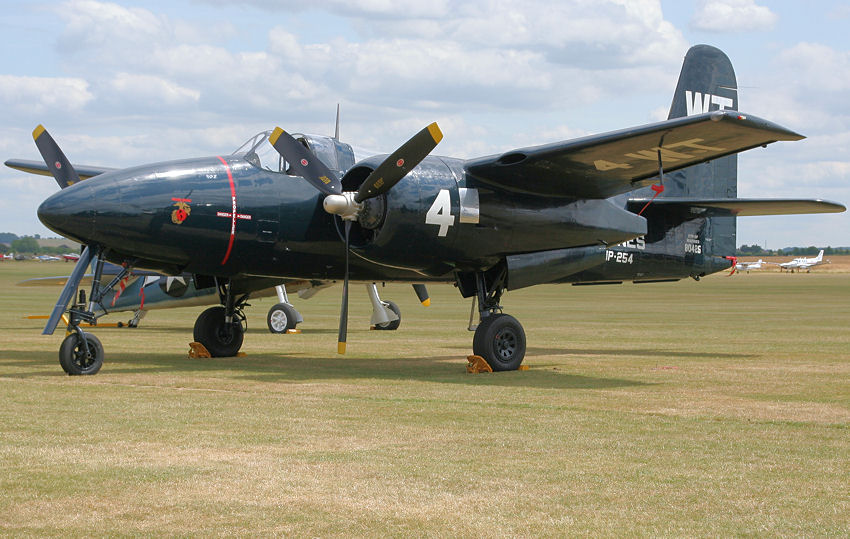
{"type": "Point", "coordinates": [500, 340]}
{"type": "Point", "coordinates": [219, 340]}
{"type": "Point", "coordinates": [74, 359]}
{"type": "Point", "coordinates": [281, 318]}
{"type": "Point", "coordinates": [392, 324]}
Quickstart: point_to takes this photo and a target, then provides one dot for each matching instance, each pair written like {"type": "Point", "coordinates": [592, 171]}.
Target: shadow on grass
{"type": "Point", "coordinates": [272, 368]}
{"type": "Point", "coordinates": [644, 352]}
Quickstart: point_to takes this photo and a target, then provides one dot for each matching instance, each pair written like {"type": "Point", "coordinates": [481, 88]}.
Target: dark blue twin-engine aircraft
{"type": "Point", "coordinates": [650, 203]}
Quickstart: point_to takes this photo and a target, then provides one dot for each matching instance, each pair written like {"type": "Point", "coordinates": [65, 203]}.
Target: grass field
{"type": "Point", "coordinates": [680, 409]}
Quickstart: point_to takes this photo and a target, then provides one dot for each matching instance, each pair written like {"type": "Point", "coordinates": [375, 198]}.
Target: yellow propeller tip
{"type": "Point", "coordinates": [427, 302]}
{"type": "Point", "coordinates": [37, 132]}
{"type": "Point", "coordinates": [340, 348]}
{"type": "Point", "coordinates": [436, 134]}
{"type": "Point", "coordinates": [275, 135]}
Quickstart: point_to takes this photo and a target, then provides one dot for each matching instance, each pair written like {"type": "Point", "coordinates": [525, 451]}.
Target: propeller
{"type": "Point", "coordinates": [347, 205]}
{"type": "Point", "coordinates": [422, 294]}
{"type": "Point", "coordinates": [399, 163]}
{"type": "Point", "coordinates": [57, 163]}
{"type": "Point", "coordinates": [304, 163]}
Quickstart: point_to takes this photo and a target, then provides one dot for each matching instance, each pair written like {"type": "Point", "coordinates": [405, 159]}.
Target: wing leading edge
{"type": "Point", "coordinates": [601, 166]}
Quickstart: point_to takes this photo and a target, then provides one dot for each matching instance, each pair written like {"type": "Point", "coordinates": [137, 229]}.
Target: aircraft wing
{"type": "Point", "coordinates": [740, 207]}
{"type": "Point", "coordinates": [601, 166]}
{"type": "Point", "coordinates": [109, 270]}
{"type": "Point", "coordinates": [39, 167]}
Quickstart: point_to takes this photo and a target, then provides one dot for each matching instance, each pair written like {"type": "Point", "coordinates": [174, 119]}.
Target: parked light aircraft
{"type": "Point", "coordinates": [802, 263]}
{"type": "Point", "coordinates": [747, 266]}
{"type": "Point", "coordinates": [656, 202]}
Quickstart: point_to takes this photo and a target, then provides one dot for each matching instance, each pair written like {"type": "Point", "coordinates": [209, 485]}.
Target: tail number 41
{"type": "Point", "coordinates": [440, 213]}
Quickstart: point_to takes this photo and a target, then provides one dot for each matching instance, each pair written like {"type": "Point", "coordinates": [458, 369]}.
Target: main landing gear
{"type": "Point", "coordinates": [221, 329]}
{"type": "Point", "coordinates": [499, 338]}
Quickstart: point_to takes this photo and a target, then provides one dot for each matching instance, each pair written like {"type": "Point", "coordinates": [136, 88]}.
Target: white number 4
{"type": "Point", "coordinates": [441, 212]}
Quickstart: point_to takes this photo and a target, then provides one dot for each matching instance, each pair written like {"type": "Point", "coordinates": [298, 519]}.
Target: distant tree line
{"type": "Point", "coordinates": [29, 245]}
{"type": "Point", "coordinates": [756, 250]}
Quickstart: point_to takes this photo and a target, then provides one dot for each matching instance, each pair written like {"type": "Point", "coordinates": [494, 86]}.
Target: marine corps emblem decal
{"type": "Point", "coordinates": [182, 210]}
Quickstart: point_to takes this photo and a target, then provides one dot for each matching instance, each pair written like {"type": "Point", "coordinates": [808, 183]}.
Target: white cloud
{"type": "Point", "coordinates": [729, 16]}
{"type": "Point", "coordinates": [155, 90]}
{"type": "Point", "coordinates": [38, 95]}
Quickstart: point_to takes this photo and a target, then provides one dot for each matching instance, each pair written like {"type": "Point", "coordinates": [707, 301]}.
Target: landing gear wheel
{"type": "Point", "coordinates": [392, 324]}
{"type": "Point", "coordinates": [281, 318]}
{"type": "Point", "coordinates": [74, 358]}
{"type": "Point", "coordinates": [219, 339]}
{"type": "Point", "coordinates": [500, 340]}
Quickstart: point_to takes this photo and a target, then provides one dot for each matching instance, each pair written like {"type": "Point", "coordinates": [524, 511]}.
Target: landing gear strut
{"type": "Point", "coordinates": [385, 314]}
{"type": "Point", "coordinates": [499, 338]}
{"type": "Point", "coordinates": [221, 329]}
{"type": "Point", "coordinates": [82, 353]}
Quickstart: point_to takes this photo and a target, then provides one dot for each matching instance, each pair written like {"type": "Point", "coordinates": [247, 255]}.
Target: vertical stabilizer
{"type": "Point", "coordinates": [707, 83]}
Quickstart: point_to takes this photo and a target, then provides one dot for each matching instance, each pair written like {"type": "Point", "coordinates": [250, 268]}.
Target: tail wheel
{"type": "Point", "coordinates": [392, 324]}
{"type": "Point", "coordinates": [78, 357]}
{"type": "Point", "coordinates": [281, 318]}
{"type": "Point", "coordinates": [500, 340]}
{"type": "Point", "coordinates": [220, 339]}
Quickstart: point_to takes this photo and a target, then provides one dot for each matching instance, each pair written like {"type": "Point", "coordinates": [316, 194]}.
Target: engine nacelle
{"type": "Point", "coordinates": [389, 228]}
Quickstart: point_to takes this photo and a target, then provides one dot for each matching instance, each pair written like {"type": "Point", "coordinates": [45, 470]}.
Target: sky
{"type": "Point", "coordinates": [130, 82]}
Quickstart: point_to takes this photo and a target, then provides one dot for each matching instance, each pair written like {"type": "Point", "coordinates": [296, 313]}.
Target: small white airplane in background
{"type": "Point", "coordinates": [747, 266]}
{"type": "Point", "coordinates": [802, 263]}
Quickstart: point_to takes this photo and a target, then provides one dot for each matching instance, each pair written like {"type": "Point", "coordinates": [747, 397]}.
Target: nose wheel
{"type": "Point", "coordinates": [81, 353]}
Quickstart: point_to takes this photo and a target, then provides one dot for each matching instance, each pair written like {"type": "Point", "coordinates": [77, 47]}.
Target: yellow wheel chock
{"type": "Point", "coordinates": [197, 349]}
{"type": "Point", "coordinates": [477, 364]}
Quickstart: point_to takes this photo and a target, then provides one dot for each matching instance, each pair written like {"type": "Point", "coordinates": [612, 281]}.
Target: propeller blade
{"type": "Point", "coordinates": [304, 163]}
{"type": "Point", "coordinates": [343, 314]}
{"type": "Point", "coordinates": [399, 163]}
{"type": "Point", "coordinates": [422, 294]}
{"type": "Point", "coordinates": [56, 161]}
{"type": "Point", "coordinates": [68, 291]}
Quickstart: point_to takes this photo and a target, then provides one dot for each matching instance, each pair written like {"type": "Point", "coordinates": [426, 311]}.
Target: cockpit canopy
{"type": "Point", "coordinates": [258, 151]}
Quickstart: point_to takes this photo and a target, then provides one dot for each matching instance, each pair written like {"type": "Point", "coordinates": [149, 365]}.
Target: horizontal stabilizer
{"type": "Point", "coordinates": [738, 207]}
{"type": "Point", "coordinates": [39, 167]}
{"type": "Point", "coordinates": [601, 166]}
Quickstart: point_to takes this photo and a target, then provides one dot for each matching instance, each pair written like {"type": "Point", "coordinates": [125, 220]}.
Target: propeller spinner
{"type": "Point", "coordinates": [347, 205]}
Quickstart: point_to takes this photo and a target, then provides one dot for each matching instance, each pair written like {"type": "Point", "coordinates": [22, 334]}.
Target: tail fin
{"type": "Point", "coordinates": [820, 256]}
{"type": "Point", "coordinates": [707, 82]}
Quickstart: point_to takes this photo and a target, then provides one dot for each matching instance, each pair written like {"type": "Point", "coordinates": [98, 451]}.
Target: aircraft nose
{"type": "Point", "coordinates": [70, 212]}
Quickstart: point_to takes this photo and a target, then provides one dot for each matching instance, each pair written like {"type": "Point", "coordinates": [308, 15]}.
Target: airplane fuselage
{"type": "Point", "coordinates": [226, 217]}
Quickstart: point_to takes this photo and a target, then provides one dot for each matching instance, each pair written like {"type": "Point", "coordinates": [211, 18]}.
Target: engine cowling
{"type": "Point", "coordinates": [389, 228]}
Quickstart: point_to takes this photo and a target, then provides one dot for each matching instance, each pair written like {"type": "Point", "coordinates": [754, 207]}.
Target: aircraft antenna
{"type": "Point", "coordinates": [336, 130]}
